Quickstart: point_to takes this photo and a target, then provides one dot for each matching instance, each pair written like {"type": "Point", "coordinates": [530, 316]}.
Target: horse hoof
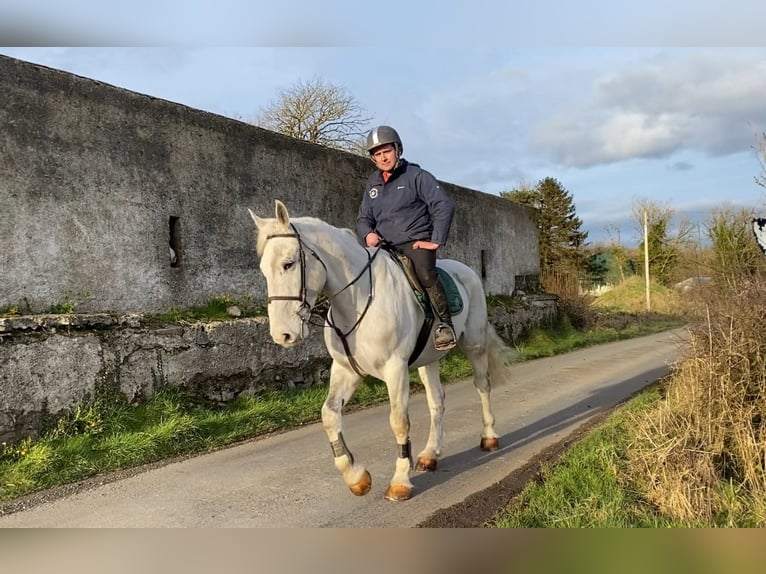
{"type": "Point", "coordinates": [425, 464]}
{"type": "Point", "coordinates": [489, 444]}
{"type": "Point", "coordinates": [363, 486]}
{"type": "Point", "coordinates": [398, 492]}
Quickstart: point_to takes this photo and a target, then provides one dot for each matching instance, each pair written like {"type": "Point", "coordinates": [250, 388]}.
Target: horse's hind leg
{"type": "Point", "coordinates": [343, 383]}
{"type": "Point", "coordinates": [477, 354]}
{"type": "Point", "coordinates": [428, 457]}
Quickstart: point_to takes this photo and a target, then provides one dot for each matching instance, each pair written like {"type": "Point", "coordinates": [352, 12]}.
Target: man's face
{"type": "Point", "coordinates": [384, 157]}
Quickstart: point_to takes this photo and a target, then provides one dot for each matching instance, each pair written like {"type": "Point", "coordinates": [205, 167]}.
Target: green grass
{"type": "Point", "coordinates": [584, 489]}
{"type": "Point", "coordinates": [9, 311]}
{"type": "Point", "coordinates": [631, 296]}
{"type": "Point", "coordinates": [64, 308]}
{"type": "Point", "coordinates": [562, 337]}
{"type": "Point", "coordinates": [213, 310]}
{"type": "Point", "coordinates": [107, 434]}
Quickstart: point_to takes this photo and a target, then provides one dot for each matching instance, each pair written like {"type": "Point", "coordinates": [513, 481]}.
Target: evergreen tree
{"type": "Point", "coordinates": [597, 269]}
{"type": "Point", "coordinates": [562, 242]}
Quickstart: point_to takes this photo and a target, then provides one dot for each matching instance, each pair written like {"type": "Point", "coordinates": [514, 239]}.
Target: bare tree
{"type": "Point", "coordinates": [319, 112]}
{"type": "Point", "coordinates": [761, 179]}
{"type": "Point", "coordinates": [665, 243]}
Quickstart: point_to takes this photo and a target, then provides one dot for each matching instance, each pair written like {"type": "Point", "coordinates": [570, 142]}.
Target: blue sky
{"type": "Point", "coordinates": [675, 125]}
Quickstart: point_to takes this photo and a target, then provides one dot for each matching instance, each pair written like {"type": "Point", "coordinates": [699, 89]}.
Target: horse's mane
{"type": "Point", "coordinates": [273, 226]}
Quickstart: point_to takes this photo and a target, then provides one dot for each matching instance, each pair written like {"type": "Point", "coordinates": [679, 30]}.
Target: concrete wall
{"type": "Point", "coordinates": [90, 176]}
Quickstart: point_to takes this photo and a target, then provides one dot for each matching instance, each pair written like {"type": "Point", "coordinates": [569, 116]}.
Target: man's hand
{"type": "Point", "coordinates": [430, 245]}
{"type": "Point", "coordinates": [372, 239]}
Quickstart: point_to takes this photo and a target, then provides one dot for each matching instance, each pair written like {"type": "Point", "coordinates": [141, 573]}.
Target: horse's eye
{"type": "Point", "coordinates": [288, 265]}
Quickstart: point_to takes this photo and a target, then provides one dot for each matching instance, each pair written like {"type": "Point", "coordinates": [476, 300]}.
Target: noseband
{"type": "Point", "coordinates": [304, 311]}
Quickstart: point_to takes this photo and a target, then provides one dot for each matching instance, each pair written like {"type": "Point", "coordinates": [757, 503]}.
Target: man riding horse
{"type": "Point", "coordinates": [404, 206]}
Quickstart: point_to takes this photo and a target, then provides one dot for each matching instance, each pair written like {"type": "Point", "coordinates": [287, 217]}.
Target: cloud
{"type": "Point", "coordinates": [681, 166]}
{"type": "Point", "coordinates": [477, 126]}
{"type": "Point", "coordinates": [175, 23]}
{"type": "Point", "coordinates": [547, 111]}
{"type": "Point", "coordinates": [710, 101]}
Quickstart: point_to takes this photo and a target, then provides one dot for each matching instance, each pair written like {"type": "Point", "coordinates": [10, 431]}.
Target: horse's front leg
{"type": "Point", "coordinates": [343, 383]}
{"type": "Point", "coordinates": [398, 382]}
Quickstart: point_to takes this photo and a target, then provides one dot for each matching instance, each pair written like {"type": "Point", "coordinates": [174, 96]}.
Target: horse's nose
{"type": "Point", "coordinates": [287, 338]}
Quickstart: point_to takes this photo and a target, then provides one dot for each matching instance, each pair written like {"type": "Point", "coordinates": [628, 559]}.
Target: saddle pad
{"type": "Point", "coordinates": [454, 300]}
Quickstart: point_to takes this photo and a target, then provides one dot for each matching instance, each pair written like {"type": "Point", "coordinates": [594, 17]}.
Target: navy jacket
{"type": "Point", "coordinates": [410, 206]}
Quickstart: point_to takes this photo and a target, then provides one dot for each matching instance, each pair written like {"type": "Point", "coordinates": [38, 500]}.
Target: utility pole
{"type": "Point", "coordinates": [646, 262]}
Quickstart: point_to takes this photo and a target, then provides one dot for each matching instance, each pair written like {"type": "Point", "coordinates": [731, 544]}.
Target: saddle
{"type": "Point", "coordinates": [454, 300]}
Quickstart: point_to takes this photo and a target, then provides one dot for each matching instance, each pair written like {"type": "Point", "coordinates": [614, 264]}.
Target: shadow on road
{"type": "Point", "coordinates": [578, 413]}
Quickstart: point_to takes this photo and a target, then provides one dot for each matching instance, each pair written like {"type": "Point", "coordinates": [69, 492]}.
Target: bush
{"type": "Point", "coordinates": [701, 452]}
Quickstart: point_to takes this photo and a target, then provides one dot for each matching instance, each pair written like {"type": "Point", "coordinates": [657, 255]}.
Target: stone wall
{"type": "Point", "coordinates": [95, 179]}
{"type": "Point", "coordinates": [51, 363]}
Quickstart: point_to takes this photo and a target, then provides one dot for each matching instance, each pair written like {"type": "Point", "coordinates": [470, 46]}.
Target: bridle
{"type": "Point", "coordinates": [305, 310]}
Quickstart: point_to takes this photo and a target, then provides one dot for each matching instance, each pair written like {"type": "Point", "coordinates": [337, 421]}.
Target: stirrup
{"type": "Point", "coordinates": [444, 343]}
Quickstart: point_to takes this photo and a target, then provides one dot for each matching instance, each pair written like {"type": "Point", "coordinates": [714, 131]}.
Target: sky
{"type": "Point", "coordinates": [669, 109]}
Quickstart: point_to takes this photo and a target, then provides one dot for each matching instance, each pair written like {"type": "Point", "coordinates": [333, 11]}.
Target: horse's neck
{"type": "Point", "coordinates": [341, 254]}
{"type": "Point", "coordinates": [346, 262]}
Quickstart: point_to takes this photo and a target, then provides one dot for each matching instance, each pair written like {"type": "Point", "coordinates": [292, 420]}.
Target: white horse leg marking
{"type": "Point", "coordinates": [428, 457]}
{"type": "Point", "coordinates": [479, 358]}
{"type": "Point", "coordinates": [343, 383]}
{"type": "Point", "coordinates": [398, 383]}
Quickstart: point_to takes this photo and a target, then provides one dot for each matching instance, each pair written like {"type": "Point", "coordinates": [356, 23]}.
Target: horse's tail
{"type": "Point", "coordinates": [500, 357]}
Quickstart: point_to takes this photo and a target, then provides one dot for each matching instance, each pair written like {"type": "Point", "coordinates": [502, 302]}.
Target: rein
{"type": "Point", "coordinates": [305, 310]}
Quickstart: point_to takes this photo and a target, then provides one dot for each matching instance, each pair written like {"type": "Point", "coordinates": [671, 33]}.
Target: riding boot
{"type": "Point", "coordinates": [444, 332]}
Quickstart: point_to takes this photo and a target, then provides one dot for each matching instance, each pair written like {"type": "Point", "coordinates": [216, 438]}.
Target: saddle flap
{"type": "Point", "coordinates": [409, 271]}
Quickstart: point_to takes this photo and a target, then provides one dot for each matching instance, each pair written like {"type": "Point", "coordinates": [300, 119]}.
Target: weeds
{"type": "Point", "coordinates": [65, 308]}
{"type": "Point", "coordinates": [702, 451]}
{"type": "Point", "coordinates": [217, 309]}
{"type": "Point", "coordinates": [9, 311]}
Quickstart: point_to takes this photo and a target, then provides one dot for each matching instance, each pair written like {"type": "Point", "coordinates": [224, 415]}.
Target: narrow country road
{"type": "Point", "coordinates": [289, 480]}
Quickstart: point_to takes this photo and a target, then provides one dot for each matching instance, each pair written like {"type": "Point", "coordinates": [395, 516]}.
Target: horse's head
{"type": "Point", "coordinates": [294, 275]}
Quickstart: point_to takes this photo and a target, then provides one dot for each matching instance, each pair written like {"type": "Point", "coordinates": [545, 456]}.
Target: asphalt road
{"type": "Point", "coordinates": [289, 480]}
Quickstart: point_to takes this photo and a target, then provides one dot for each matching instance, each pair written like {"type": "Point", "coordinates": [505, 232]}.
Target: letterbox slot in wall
{"type": "Point", "coordinates": [175, 241]}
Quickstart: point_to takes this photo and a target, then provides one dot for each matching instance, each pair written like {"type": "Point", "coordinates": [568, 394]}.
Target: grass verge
{"type": "Point", "coordinates": [587, 487]}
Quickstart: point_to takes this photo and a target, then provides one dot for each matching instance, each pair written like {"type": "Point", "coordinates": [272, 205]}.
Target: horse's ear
{"type": "Point", "coordinates": [259, 222]}
{"type": "Point", "coordinates": [281, 212]}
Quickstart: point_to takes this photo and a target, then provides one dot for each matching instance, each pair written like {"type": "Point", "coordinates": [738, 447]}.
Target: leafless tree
{"type": "Point", "coordinates": [319, 112]}
{"type": "Point", "coordinates": [761, 179]}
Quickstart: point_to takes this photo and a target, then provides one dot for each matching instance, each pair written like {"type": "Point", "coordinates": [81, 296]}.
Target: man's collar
{"type": "Point", "coordinates": [398, 168]}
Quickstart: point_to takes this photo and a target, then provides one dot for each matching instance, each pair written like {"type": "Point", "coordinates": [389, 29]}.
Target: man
{"type": "Point", "coordinates": [406, 207]}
